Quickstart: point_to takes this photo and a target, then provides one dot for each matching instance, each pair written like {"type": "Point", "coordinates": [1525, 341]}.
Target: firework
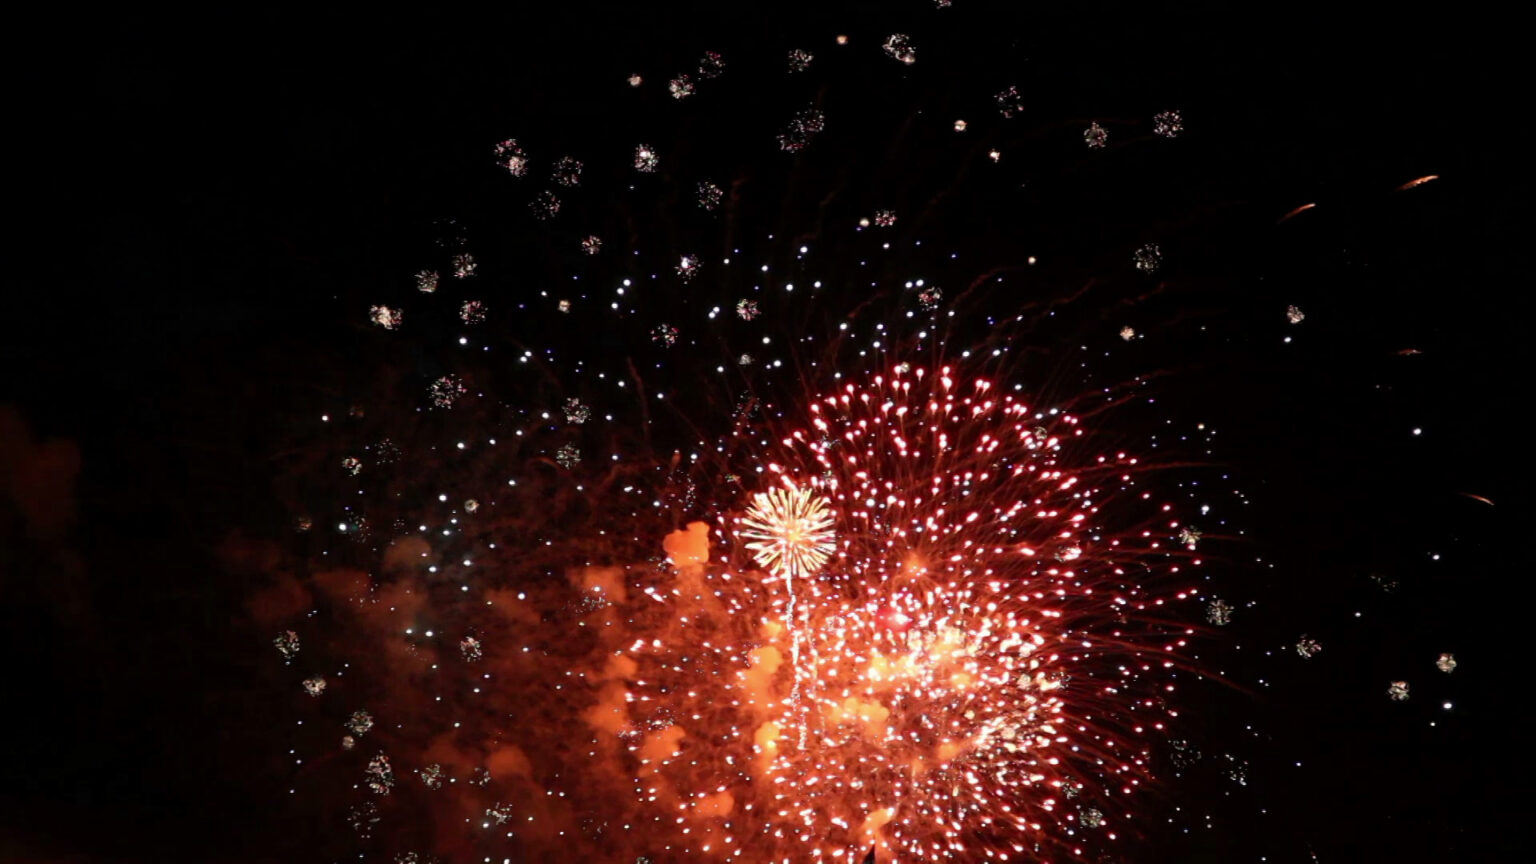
{"type": "Point", "coordinates": [379, 776]}
{"type": "Point", "coordinates": [688, 266]}
{"type": "Point", "coordinates": [1168, 124]}
{"type": "Point", "coordinates": [910, 612]}
{"type": "Point", "coordinates": [364, 818]}
{"type": "Point", "coordinates": [446, 391]}
{"type": "Point", "coordinates": [576, 411]}
{"type": "Point", "coordinates": [801, 130]}
{"type": "Point", "coordinates": [567, 171]}
{"type": "Point", "coordinates": [646, 159]}
{"type": "Point", "coordinates": [1010, 103]}
{"type": "Point", "coordinates": [545, 205]}
{"type": "Point", "coordinates": [511, 157]}
{"type": "Point", "coordinates": [287, 644]}
{"type": "Point", "coordinates": [385, 317]}
{"type": "Point", "coordinates": [711, 65]}
{"type": "Point", "coordinates": [359, 723]}
{"type": "Point", "coordinates": [899, 47]}
{"type": "Point", "coordinates": [790, 530]}
{"type": "Point", "coordinates": [431, 776]}
{"type": "Point", "coordinates": [385, 452]}
{"type": "Point", "coordinates": [937, 570]}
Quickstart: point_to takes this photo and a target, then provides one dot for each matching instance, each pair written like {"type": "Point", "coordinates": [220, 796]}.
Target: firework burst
{"type": "Point", "coordinates": [790, 530]}
{"type": "Point", "coordinates": [913, 693]}
{"type": "Point", "coordinates": [912, 612]}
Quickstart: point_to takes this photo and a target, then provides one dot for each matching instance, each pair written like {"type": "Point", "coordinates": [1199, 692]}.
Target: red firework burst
{"type": "Point", "coordinates": [969, 676]}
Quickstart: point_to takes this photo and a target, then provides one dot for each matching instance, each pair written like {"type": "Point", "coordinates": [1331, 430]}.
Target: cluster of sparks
{"type": "Point", "coordinates": [921, 664]}
{"type": "Point", "coordinates": [934, 621]}
{"type": "Point", "coordinates": [926, 634]}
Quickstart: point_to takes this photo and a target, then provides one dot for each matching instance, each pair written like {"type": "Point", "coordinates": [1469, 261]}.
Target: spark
{"type": "Point", "coordinates": [1297, 212]}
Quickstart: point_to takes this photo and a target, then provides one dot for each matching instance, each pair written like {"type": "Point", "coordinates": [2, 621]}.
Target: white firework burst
{"type": "Point", "coordinates": [790, 530]}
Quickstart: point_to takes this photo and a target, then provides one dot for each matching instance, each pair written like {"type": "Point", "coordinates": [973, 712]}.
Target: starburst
{"type": "Point", "coordinates": [790, 530]}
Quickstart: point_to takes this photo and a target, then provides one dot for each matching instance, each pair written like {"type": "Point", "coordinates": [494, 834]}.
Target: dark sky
{"type": "Point", "coordinates": [204, 199]}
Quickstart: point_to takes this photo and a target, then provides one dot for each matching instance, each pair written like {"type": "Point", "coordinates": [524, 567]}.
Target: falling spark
{"type": "Point", "coordinates": [1297, 212]}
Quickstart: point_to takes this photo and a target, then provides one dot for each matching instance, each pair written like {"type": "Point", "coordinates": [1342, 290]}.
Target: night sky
{"type": "Point", "coordinates": [209, 205]}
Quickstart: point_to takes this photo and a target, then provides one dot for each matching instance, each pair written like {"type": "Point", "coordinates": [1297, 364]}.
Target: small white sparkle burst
{"type": "Point", "coordinates": [790, 529]}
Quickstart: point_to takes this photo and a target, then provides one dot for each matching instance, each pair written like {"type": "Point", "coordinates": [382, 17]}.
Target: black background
{"type": "Point", "coordinates": [196, 190]}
